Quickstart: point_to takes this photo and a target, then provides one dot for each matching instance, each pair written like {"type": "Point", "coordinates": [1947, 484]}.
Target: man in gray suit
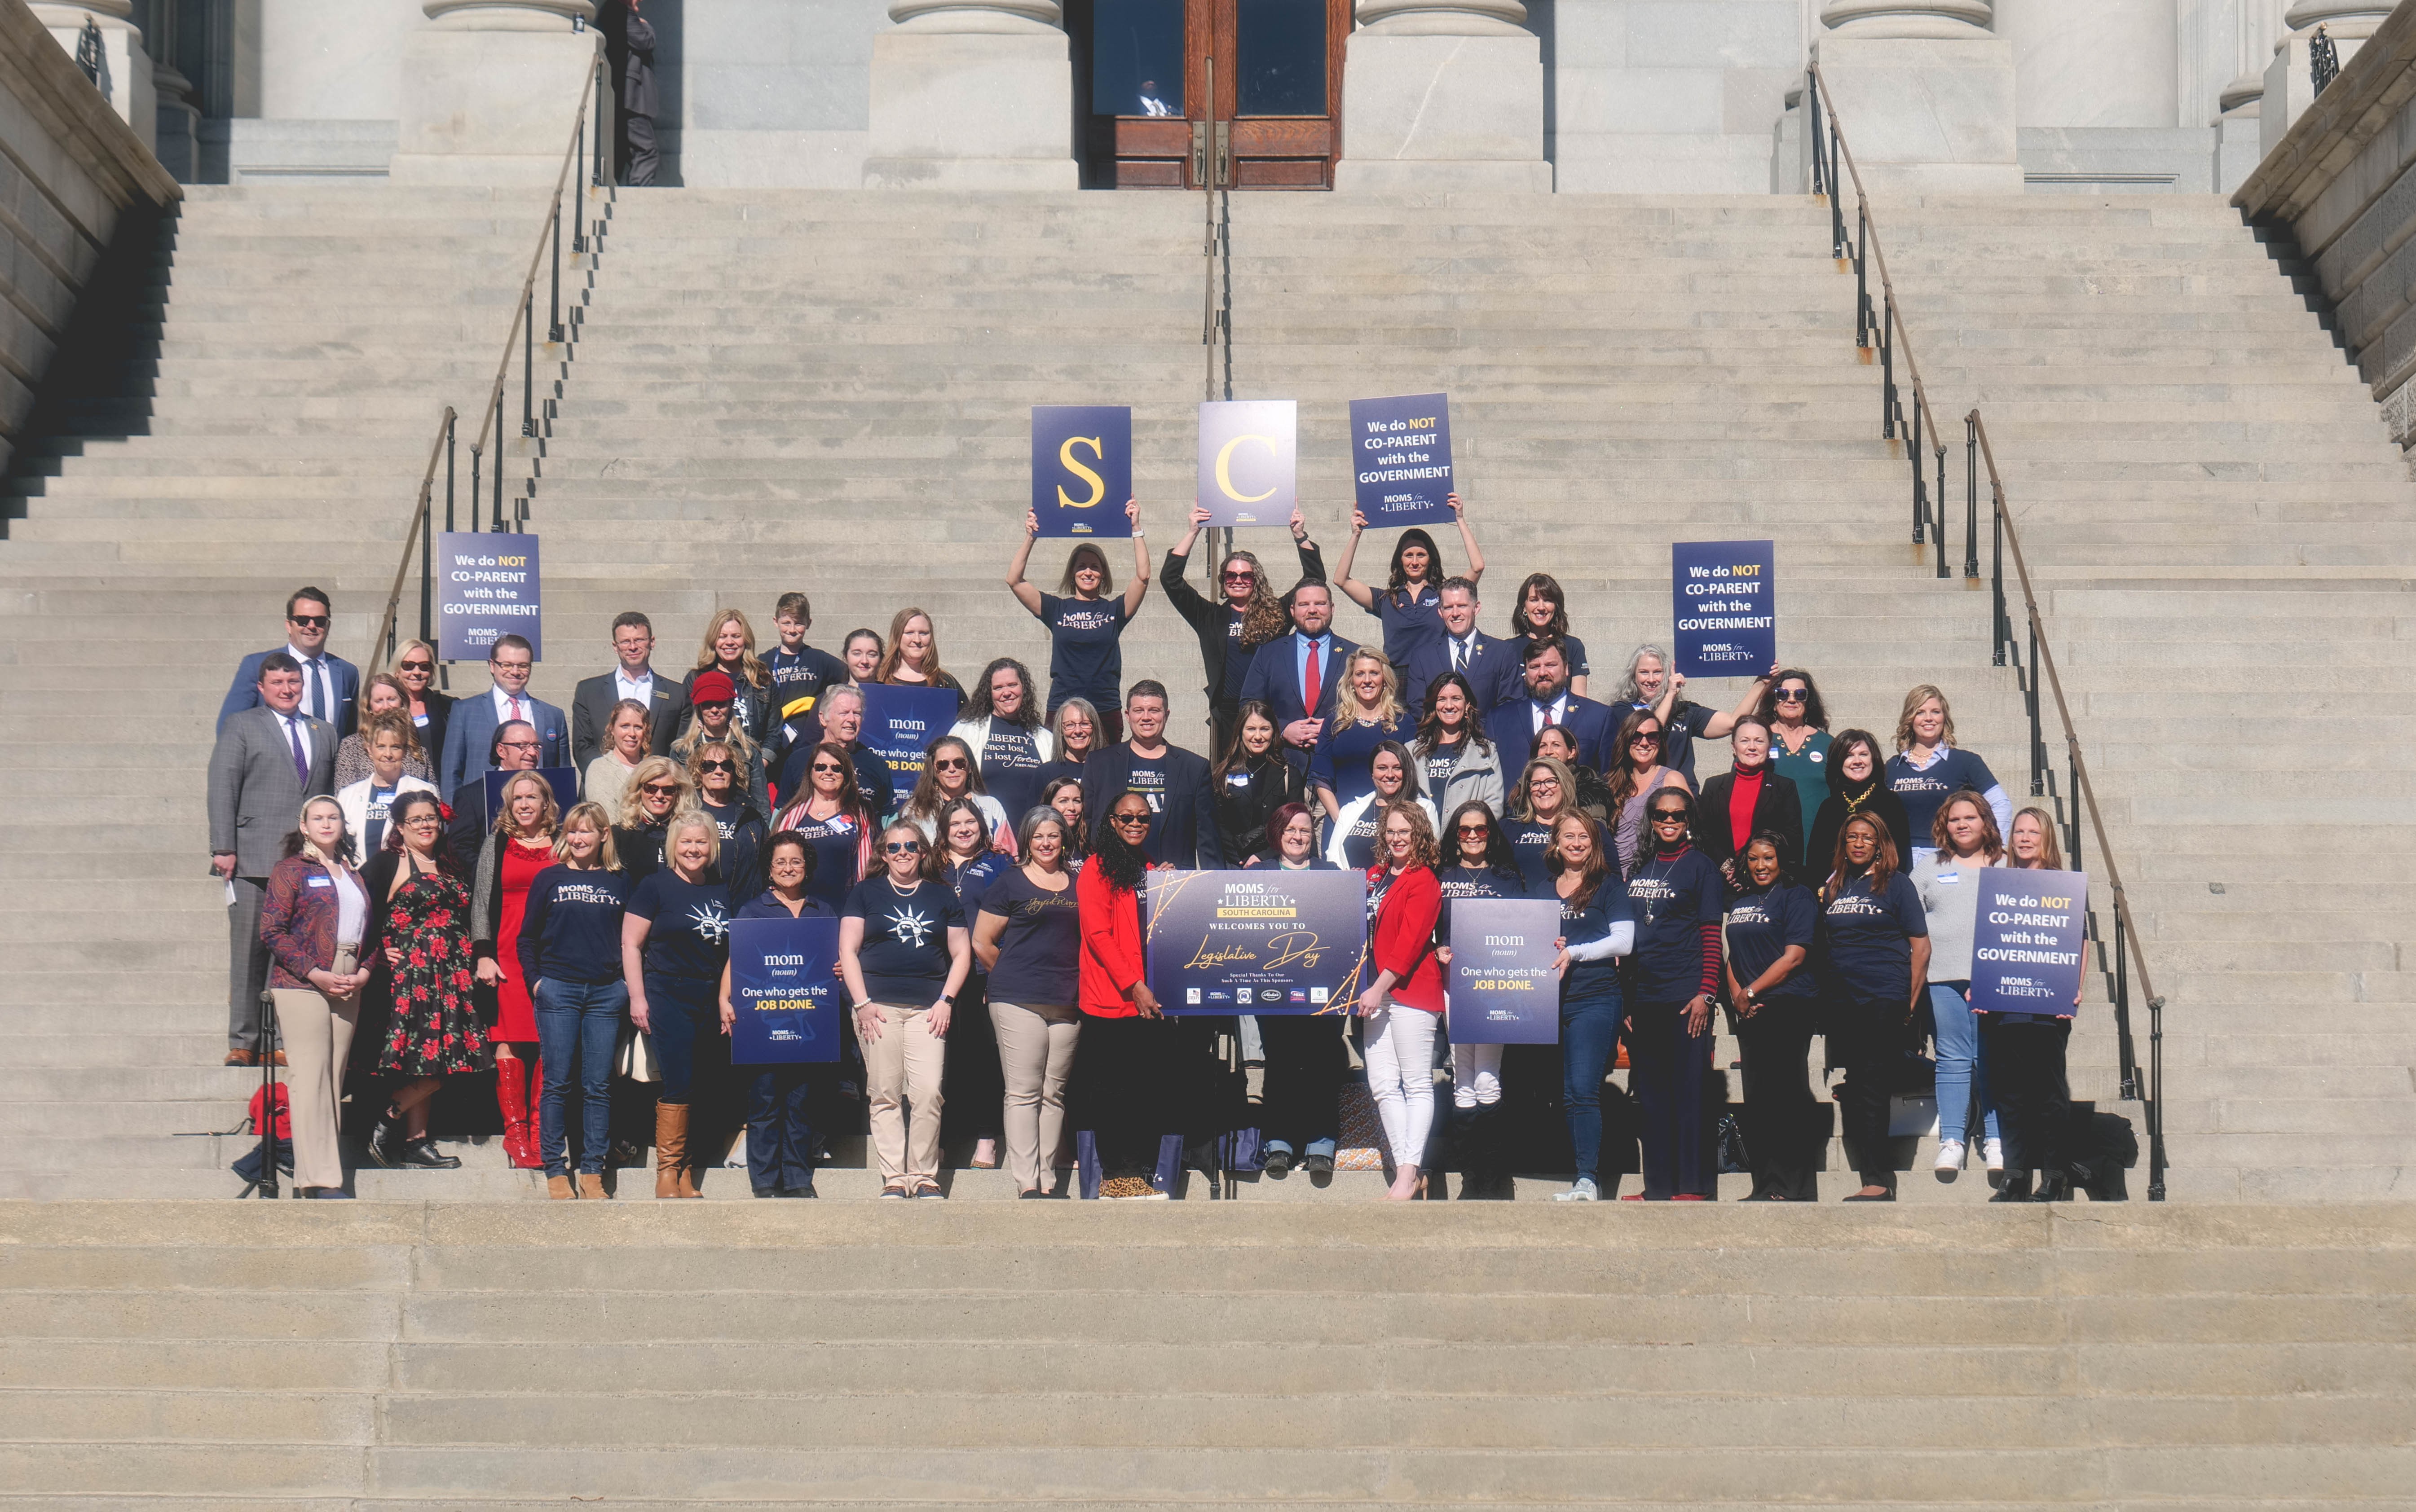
{"type": "Point", "coordinates": [268, 762]}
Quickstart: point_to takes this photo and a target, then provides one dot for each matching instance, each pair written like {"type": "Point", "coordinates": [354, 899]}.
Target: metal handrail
{"type": "Point", "coordinates": [1829, 154]}
{"type": "Point", "coordinates": [487, 448]}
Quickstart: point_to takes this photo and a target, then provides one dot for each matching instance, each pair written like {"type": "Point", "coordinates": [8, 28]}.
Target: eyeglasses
{"type": "Point", "coordinates": [424, 819]}
{"type": "Point", "coordinates": [1128, 818]}
{"type": "Point", "coordinates": [522, 745]}
{"type": "Point", "coordinates": [902, 847]}
{"type": "Point", "coordinates": [660, 789]}
{"type": "Point", "coordinates": [415, 667]}
{"type": "Point", "coordinates": [1790, 694]}
{"type": "Point", "coordinates": [716, 765]}
{"type": "Point", "coordinates": [315, 622]}
{"type": "Point", "coordinates": [1543, 782]}
{"type": "Point", "coordinates": [828, 766]}
{"type": "Point", "coordinates": [952, 764]}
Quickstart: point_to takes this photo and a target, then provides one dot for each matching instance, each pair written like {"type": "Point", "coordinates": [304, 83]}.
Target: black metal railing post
{"type": "Point", "coordinates": [1970, 496]}
{"type": "Point", "coordinates": [1887, 368]}
{"type": "Point", "coordinates": [498, 469]}
{"type": "Point", "coordinates": [2072, 789]}
{"type": "Point", "coordinates": [2038, 740]}
{"type": "Point", "coordinates": [1939, 443]}
{"type": "Point", "coordinates": [1812, 133]}
{"type": "Point", "coordinates": [1861, 275]}
{"type": "Point", "coordinates": [553, 330]}
{"type": "Point", "coordinates": [2155, 1100]}
{"type": "Point", "coordinates": [603, 116]}
{"type": "Point", "coordinates": [2004, 637]}
{"type": "Point", "coordinates": [1913, 454]}
{"type": "Point", "coordinates": [528, 365]}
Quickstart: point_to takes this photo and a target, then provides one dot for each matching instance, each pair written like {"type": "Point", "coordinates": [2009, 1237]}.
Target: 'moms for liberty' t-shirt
{"type": "Point", "coordinates": [1866, 938]}
{"type": "Point", "coordinates": [1086, 659]}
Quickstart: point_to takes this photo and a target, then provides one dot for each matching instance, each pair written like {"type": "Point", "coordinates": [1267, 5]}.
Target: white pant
{"type": "Point", "coordinates": [1401, 1078]}
{"type": "Point", "coordinates": [1476, 1075]}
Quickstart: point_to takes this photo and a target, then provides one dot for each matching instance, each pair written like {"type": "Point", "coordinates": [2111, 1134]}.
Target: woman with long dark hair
{"type": "Point", "coordinates": [1478, 864]}
{"type": "Point", "coordinates": [1678, 897]}
{"type": "Point", "coordinates": [1250, 783]}
{"type": "Point", "coordinates": [1456, 758]}
{"type": "Point", "coordinates": [1639, 772]}
{"type": "Point", "coordinates": [1001, 722]}
{"type": "Point", "coordinates": [1245, 615]}
{"type": "Point", "coordinates": [949, 772]}
{"type": "Point", "coordinates": [1410, 607]}
{"type": "Point", "coordinates": [1065, 795]}
{"type": "Point", "coordinates": [913, 659]}
{"type": "Point", "coordinates": [970, 1090]}
{"type": "Point", "coordinates": [1541, 613]}
{"type": "Point", "coordinates": [433, 1030]}
{"type": "Point", "coordinates": [1964, 842]}
{"type": "Point", "coordinates": [1798, 723]}
{"type": "Point", "coordinates": [1857, 784]}
{"type": "Point", "coordinates": [1299, 1116]}
{"type": "Point", "coordinates": [1124, 1069]}
{"type": "Point", "coordinates": [836, 824]}
{"type": "Point", "coordinates": [1353, 842]}
{"type": "Point", "coordinates": [1403, 1001]}
{"type": "Point", "coordinates": [1874, 954]}
{"type": "Point", "coordinates": [1771, 928]}
{"type": "Point", "coordinates": [1086, 618]}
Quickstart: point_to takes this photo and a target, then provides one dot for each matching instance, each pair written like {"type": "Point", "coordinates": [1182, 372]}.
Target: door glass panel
{"type": "Point", "coordinates": [1281, 62]}
{"type": "Point", "coordinates": [1137, 58]}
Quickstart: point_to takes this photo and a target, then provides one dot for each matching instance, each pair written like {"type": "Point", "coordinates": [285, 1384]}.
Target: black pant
{"type": "Point", "coordinates": [1124, 1085]}
{"type": "Point", "coordinates": [972, 1086]}
{"type": "Point", "coordinates": [1783, 1124]}
{"type": "Point", "coordinates": [1301, 1102]}
{"type": "Point", "coordinates": [2033, 1097]}
{"type": "Point", "coordinates": [1668, 1069]}
{"type": "Point", "coordinates": [642, 156]}
{"type": "Point", "coordinates": [1867, 1038]}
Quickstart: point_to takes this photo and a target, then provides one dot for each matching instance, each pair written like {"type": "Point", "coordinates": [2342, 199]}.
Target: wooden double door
{"type": "Point", "coordinates": [1176, 93]}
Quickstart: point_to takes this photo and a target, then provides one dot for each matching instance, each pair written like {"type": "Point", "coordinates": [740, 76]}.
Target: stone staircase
{"type": "Point", "coordinates": [830, 391]}
{"type": "Point", "coordinates": [177, 1356]}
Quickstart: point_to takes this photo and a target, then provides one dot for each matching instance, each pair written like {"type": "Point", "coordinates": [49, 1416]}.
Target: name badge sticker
{"type": "Point", "coordinates": [1949, 878]}
{"type": "Point", "coordinates": [320, 882]}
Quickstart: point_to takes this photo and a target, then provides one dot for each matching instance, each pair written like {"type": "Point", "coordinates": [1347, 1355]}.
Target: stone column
{"type": "Point", "coordinates": [1442, 95]}
{"type": "Point", "coordinates": [2238, 141]}
{"type": "Point", "coordinates": [975, 94]}
{"type": "Point", "coordinates": [126, 71]}
{"type": "Point", "coordinates": [490, 88]}
{"type": "Point", "coordinates": [1924, 94]}
{"type": "Point", "coordinates": [2289, 85]}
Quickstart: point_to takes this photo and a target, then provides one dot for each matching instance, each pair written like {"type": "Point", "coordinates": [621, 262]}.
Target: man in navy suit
{"type": "Point", "coordinates": [1548, 702]}
{"type": "Point", "coordinates": [1296, 675]}
{"type": "Point", "coordinates": [1181, 811]}
{"type": "Point", "coordinates": [1490, 666]}
{"type": "Point", "coordinates": [331, 686]}
{"type": "Point", "coordinates": [470, 733]}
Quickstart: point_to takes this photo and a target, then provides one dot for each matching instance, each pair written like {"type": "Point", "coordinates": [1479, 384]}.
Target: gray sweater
{"type": "Point", "coordinates": [1951, 896]}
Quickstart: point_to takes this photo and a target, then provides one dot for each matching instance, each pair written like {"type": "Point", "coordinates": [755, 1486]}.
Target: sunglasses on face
{"type": "Point", "coordinates": [902, 847]}
{"type": "Point", "coordinates": [315, 622]}
{"type": "Point", "coordinates": [1668, 817]}
{"type": "Point", "coordinates": [661, 789]}
{"type": "Point", "coordinates": [716, 765]}
{"type": "Point", "coordinates": [1472, 831]}
{"type": "Point", "coordinates": [952, 764]}
{"type": "Point", "coordinates": [1791, 695]}
{"type": "Point", "coordinates": [1128, 819]}
{"type": "Point", "coordinates": [828, 766]}
{"type": "Point", "coordinates": [1241, 577]}
{"type": "Point", "coordinates": [419, 666]}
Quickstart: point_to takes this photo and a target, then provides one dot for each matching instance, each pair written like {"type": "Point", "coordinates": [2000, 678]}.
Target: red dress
{"type": "Point", "coordinates": [516, 1018]}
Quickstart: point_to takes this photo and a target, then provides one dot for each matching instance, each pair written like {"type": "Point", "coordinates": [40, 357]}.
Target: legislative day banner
{"type": "Point", "coordinates": [1255, 942]}
{"type": "Point", "coordinates": [900, 723]}
{"type": "Point", "coordinates": [1503, 989]}
{"type": "Point", "coordinates": [1400, 459]}
{"type": "Point", "coordinates": [1721, 597]}
{"type": "Point", "coordinates": [563, 780]}
{"type": "Point", "coordinates": [2028, 946]}
{"type": "Point", "coordinates": [1248, 454]}
{"type": "Point", "coordinates": [486, 588]}
{"type": "Point", "coordinates": [783, 992]}
{"type": "Point", "coordinates": [1081, 469]}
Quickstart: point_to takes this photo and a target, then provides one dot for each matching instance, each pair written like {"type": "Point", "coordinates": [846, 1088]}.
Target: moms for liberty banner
{"type": "Point", "coordinates": [900, 725]}
{"type": "Point", "coordinates": [1504, 989]}
{"type": "Point", "coordinates": [783, 991]}
{"type": "Point", "coordinates": [486, 588]}
{"type": "Point", "coordinates": [2030, 942]}
{"type": "Point", "coordinates": [1248, 461]}
{"type": "Point", "coordinates": [1081, 469]}
{"type": "Point", "coordinates": [1255, 942]}
{"type": "Point", "coordinates": [1400, 459]}
{"type": "Point", "coordinates": [1720, 599]}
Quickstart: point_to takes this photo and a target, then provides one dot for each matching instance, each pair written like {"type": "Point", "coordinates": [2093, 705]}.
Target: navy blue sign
{"type": "Point", "coordinates": [1504, 989]}
{"type": "Point", "coordinates": [783, 992]}
{"type": "Point", "coordinates": [1081, 469]}
{"type": "Point", "coordinates": [563, 780]}
{"type": "Point", "coordinates": [900, 724]}
{"type": "Point", "coordinates": [1720, 593]}
{"type": "Point", "coordinates": [486, 588]}
{"type": "Point", "coordinates": [1248, 461]}
{"type": "Point", "coordinates": [1400, 459]}
{"type": "Point", "coordinates": [2029, 944]}
{"type": "Point", "coordinates": [1255, 942]}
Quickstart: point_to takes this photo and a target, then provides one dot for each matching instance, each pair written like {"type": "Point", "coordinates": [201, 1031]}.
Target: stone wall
{"type": "Point", "coordinates": [69, 169]}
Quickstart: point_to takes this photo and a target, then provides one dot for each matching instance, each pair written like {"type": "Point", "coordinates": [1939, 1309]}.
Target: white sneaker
{"type": "Point", "coordinates": [1950, 1155]}
{"type": "Point", "coordinates": [1585, 1192]}
{"type": "Point", "coordinates": [1992, 1152]}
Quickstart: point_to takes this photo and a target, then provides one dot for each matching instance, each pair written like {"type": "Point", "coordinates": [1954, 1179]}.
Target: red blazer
{"type": "Point", "coordinates": [1112, 955]}
{"type": "Point", "coordinates": [298, 920]}
{"type": "Point", "coordinates": [1404, 938]}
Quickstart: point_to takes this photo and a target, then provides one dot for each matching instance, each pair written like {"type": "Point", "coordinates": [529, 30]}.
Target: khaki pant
{"type": "Point", "coordinates": [1036, 1053]}
{"type": "Point", "coordinates": [906, 1061]}
{"type": "Point", "coordinates": [317, 1032]}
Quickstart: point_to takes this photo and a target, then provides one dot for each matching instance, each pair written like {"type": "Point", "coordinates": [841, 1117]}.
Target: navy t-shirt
{"type": "Point", "coordinates": [834, 841]}
{"type": "Point", "coordinates": [799, 677]}
{"type": "Point", "coordinates": [1593, 980]}
{"type": "Point", "coordinates": [1866, 939]}
{"type": "Point", "coordinates": [571, 931]}
{"type": "Point", "coordinates": [1010, 769]}
{"type": "Point", "coordinates": [1761, 926]}
{"type": "Point", "coordinates": [1924, 789]}
{"type": "Point", "coordinates": [1472, 882]}
{"type": "Point", "coordinates": [1685, 726]}
{"type": "Point", "coordinates": [1339, 762]}
{"type": "Point", "coordinates": [1412, 620]}
{"type": "Point", "coordinates": [1359, 837]}
{"type": "Point", "coordinates": [1086, 659]}
{"type": "Point", "coordinates": [687, 936]}
{"type": "Point", "coordinates": [1436, 766]}
{"type": "Point", "coordinates": [972, 879]}
{"type": "Point", "coordinates": [1534, 844]}
{"type": "Point", "coordinates": [904, 956]}
{"type": "Point", "coordinates": [1148, 778]}
{"type": "Point", "coordinates": [1572, 652]}
{"type": "Point", "coordinates": [1672, 900]}
{"type": "Point", "coordinates": [1040, 952]}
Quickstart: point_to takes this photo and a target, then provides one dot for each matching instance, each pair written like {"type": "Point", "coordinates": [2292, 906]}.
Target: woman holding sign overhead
{"type": "Point", "coordinates": [2026, 1053]}
{"type": "Point", "coordinates": [1403, 1003]}
{"type": "Point", "coordinates": [779, 1098]}
{"type": "Point", "coordinates": [1246, 615]}
{"type": "Point", "coordinates": [1086, 618]}
{"type": "Point", "coordinates": [1411, 606]}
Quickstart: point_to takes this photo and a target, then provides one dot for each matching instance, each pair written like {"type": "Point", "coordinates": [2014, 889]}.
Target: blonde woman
{"type": "Point", "coordinates": [674, 942]}
{"type": "Point", "coordinates": [1927, 767]}
{"type": "Point", "coordinates": [2026, 1052]}
{"type": "Point", "coordinates": [415, 667]}
{"type": "Point", "coordinates": [913, 659]}
{"type": "Point", "coordinates": [570, 956]}
{"type": "Point", "coordinates": [518, 847]}
{"type": "Point", "coordinates": [657, 789]}
{"type": "Point", "coordinates": [730, 649]}
{"type": "Point", "coordinates": [628, 735]}
{"type": "Point", "coordinates": [381, 693]}
{"type": "Point", "coordinates": [1367, 712]}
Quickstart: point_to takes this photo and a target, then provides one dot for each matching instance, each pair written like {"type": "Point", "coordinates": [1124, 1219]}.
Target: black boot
{"type": "Point", "coordinates": [385, 1147]}
{"type": "Point", "coordinates": [2017, 1187]}
{"type": "Point", "coordinates": [2054, 1187]}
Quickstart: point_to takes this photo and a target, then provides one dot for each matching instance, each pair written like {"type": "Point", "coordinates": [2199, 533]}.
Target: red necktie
{"type": "Point", "coordinates": [1309, 689]}
{"type": "Point", "coordinates": [516, 708]}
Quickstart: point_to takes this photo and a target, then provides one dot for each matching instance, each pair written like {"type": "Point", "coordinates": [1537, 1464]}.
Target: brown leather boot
{"type": "Point", "coordinates": [670, 1149]}
{"type": "Point", "coordinates": [558, 1188]}
{"type": "Point", "coordinates": [591, 1187]}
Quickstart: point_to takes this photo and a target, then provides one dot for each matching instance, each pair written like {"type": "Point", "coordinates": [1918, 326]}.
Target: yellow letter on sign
{"type": "Point", "coordinates": [1098, 485]}
{"type": "Point", "coordinates": [1225, 468]}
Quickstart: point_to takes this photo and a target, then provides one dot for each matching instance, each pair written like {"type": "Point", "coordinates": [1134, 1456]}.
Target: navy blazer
{"type": "Point", "coordinates": [1494, 671]}
{"type": "Point", "coordinates": [1513, 729]}
{"type": "Point", "coordinates": [1274, 678]}
{"type": "Point", "coordinates": [470, 737]}
{"type": "Point", "coordinates": [244, 692]}
{"type": "Point", "coordinates": [1186, 832]}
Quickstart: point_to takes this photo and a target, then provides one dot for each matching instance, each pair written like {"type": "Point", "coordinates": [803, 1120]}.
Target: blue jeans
{"type": "Point", "coordinates": [1961, 1067]}
{"type": "Point", "coordinates": [1589, 1045]}
{"type": "Point", "coordinates": [578, 1021]}
{"type": "Point", "coordinates": [779, 1125]}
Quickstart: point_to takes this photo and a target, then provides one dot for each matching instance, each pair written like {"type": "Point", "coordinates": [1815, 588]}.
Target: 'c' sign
{"type": "Point", "coordinates": [1260, 437]}
{"type": "Point", "coordinates": [1225, 469]}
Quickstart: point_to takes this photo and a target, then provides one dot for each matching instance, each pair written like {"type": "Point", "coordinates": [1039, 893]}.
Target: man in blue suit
{"type": "Point", "coordinates": [1548, 702]}
{"type": "Point", "coordinates": [1296, 675]}
{"type": "Point", "coordinates": [1490, 666]}
{"type": "Point", "coordinates": [331, 686]}
{"type": "Point", "coordinates": [470, 733]}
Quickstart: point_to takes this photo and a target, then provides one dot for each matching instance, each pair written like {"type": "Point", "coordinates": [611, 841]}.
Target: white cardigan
{"type": "Point", "coordinates": [354, 802]}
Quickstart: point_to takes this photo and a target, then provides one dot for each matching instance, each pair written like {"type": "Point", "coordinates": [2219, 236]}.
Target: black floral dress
{"type": "Point", "coordinates": [435, 1030]}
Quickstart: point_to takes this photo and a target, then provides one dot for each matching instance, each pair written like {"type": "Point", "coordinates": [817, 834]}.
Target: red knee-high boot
{"type": "Point", "coordinates": [511, 1096]}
